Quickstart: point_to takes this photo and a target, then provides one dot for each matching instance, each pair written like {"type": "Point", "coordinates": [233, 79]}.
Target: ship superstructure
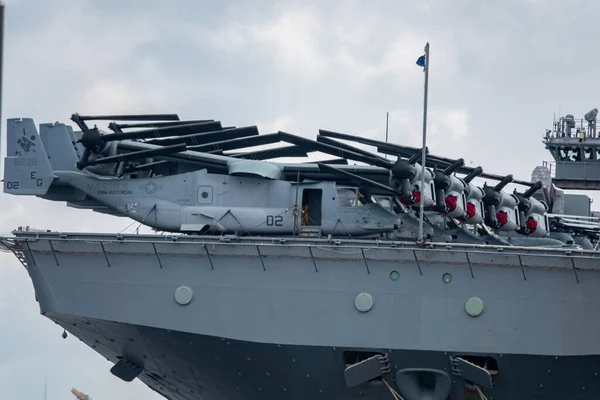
{"type": "Point", "coordinates": [575, 146]}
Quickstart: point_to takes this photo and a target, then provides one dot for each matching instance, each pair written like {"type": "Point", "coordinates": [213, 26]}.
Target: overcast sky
{"type": "Point", "coordinates": [499, 71]}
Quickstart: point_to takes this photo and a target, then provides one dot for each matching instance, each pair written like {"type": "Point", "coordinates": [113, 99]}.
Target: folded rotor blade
{"type": "Point", "coordinates": [332, 161]}
{"type": "Point", "coordinates": [238, 143]}
{"type": "Point", "coordinates": [357, 178]}
{"type": "Point", "coordinates": [312, 145]}
{"type": "Point", "coordinates": [113, 126]}
{"type": "Point", "coordinates": [267, 154]}
{"type": "Point", "coordinates": [412, 153]}
{"type": "Point", "coordinates": [441, 162]}
{"type": "Point", "coordinates": [192, 156]}
{"type": "Point", "coordinates": [218, 152]}
{"type": "Point", "coordinates": [331, 142]}
{"type": "Point", "coordinates": [454, 166]}
{"type": "Point", "coordinates": [352, 138]}
{"type": "Point", "coordinates": [139, 154]}
{"type": "Point", "coordinates": [477, 171]}
{"type": "Point", "coordinates": [137, 117]}
{"type": "Point", "coordinates": [144, 167]}
{"type": "Point", "coordinates": [204, 137]}
{"type": "Point", "coordinates": [500, 177]}
{"type": "Point", "coordinates": [503, 182]}
{"type": "Point", "coordinates": [80, 119]}
{"type": "Point", "coordinates": [396, 151]}
{"type": "Point", "coordinates": [534, 188]}
{"type": "Point", "coordinates": [94, 141]}
{"type": "Point", "coordinates": [181, 130]}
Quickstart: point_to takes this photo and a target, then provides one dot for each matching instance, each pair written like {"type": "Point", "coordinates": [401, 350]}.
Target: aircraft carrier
{"type": "Point", "coordinates": [218, 315]}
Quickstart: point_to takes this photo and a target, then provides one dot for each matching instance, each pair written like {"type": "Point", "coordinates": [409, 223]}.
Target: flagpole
{"type": "Point", "coordinates": [424, 147]}
{"type": "Point", "coordinates": [387, 115]}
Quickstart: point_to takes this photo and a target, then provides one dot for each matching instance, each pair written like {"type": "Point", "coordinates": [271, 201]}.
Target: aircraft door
{"type": "Point", "coordinates": [312, 200]}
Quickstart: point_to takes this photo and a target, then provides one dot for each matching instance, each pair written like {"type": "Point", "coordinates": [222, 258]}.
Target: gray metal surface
{"type": "Point", "coordinates": [188, 366]}
{"type": "Point", "coordinates": [259, 304]}
{"type": "Point", "coordinates": [577, 204]}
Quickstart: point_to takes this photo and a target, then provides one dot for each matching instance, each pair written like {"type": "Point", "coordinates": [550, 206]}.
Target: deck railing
{"type": "Point", "coordinates": [564, 127]}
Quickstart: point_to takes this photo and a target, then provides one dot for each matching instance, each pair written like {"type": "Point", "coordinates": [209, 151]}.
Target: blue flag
{"type": "Point", "coordinates": [421, 62]}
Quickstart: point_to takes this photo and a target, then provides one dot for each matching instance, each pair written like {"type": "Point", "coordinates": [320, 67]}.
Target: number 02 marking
{"type": "Point", "coordinates": [274, 220]}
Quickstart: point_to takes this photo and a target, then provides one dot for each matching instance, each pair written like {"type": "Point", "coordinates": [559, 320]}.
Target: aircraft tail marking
{"type": "Point", "coordinates": [27, 170]}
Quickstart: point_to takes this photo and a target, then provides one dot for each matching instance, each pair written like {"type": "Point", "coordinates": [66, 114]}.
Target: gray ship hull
{"type": "Point", "coordinates": [190, 366]}
{"type": "Point", "coordinates": [268, 320]}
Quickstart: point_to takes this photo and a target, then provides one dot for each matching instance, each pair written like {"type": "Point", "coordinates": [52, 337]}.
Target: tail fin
{"type": "Point", "coordinates": [59, 145]}
{"type": "Point", "coordinates": [27, 170]}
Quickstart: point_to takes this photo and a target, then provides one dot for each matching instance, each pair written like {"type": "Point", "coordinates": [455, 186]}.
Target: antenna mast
{"type": "Point", "coordinates": [424, 148]}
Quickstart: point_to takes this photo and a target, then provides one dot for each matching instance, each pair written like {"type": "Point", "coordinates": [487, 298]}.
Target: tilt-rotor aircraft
{"type": "Point", "coordinates": [193, 177]}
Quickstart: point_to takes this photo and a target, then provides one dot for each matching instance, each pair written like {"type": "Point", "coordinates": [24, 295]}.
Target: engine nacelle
{"type": "Point", "coordinates": [534, 220]}
{"type": "Point", "coordinates": [455, 199]}
{"type": "Point", "coordinates": [444, 183]}
{"type": "Point", "coordinates": [427, 194]}
{"type": "Point", "coordinates": [474, 205]}
{"type": "Point", "coordinates": [536, 225]}
{"type": "Point", "coordinates": [411, 189]}
{"type": "Point", "coordinates": [507, 213]}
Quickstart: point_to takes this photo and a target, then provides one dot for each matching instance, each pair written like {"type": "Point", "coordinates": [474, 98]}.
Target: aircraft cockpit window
{"type": "Point", "coordinates": [347, 197]}
{"type": "Point", "coordinates": [385, 202]}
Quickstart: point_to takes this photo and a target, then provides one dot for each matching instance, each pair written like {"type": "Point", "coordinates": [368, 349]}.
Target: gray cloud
{"type": "Point", "coordinates": [498, 73]}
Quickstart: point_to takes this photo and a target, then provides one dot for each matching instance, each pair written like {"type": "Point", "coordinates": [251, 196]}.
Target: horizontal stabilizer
{"type": "Point", "coordinates": [27, 170]}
